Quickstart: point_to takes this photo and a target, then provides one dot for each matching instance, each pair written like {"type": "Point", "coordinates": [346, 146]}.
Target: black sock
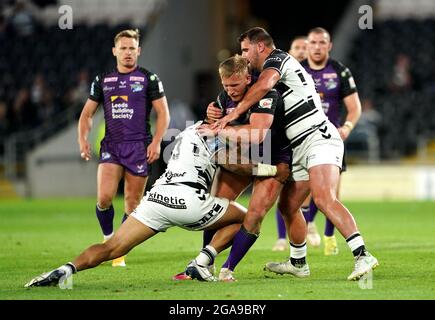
{"type": "Point", "coordinates": [360, 251]}
{"type": "Point", "coordinates": [298, 262]}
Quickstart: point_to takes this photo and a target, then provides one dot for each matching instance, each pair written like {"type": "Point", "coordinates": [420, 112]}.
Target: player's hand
{"type": "Point", "coordinates": [85, 150]}
{"type": "Point", "coordinates": [344, 132]}
{"type": "Point", "coordinates": [214, 113]}
{"type": "Point", "coordinates": [282, 172]}
{"type": "Point", "coordinates": [205, 130]}
{"type": "Point", "coordinates": [222, 123]}
{"type": "Point", "coordinates": [153, 152]}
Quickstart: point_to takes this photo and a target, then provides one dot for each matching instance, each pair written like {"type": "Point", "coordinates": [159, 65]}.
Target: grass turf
{"type": "Point", "coordinates": [39, 235]}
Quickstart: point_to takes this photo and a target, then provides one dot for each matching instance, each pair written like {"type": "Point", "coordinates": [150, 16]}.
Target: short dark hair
{"type": "Point", "coordinates": [320, 30]}
{"type": "Point", "coordinates": [256, 35]}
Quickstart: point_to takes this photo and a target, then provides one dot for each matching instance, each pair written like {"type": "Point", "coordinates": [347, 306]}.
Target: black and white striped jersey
{"type": "Point", "coordinates": [303, 108]}
{"type": "Point", "coordinates": [191, 161]}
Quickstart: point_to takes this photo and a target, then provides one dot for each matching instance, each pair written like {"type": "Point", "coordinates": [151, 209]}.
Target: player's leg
{"type": "Point", "coordinates": [226, 227]}
{"type": "Point", "coordinates": [108, 177]}
{"type": "Point", "coordinates": [331, 247]}
{"type": "Point", "coordinates": [264, 194]}
{"type": "Point", "coordinates": [291, 198]}
{"type": "Point", "coordinates": [129, 235]}
{"type": "Point", "coordinates": [324, 180]}
{"type": "Point", "coordinates": [309, 210]}
{"type": "Point", "coordinates": [226, 185]}
{"type": "Point", "coordinates": [134, 187]}
{"type": "Point", "coordinates": [281, 242]}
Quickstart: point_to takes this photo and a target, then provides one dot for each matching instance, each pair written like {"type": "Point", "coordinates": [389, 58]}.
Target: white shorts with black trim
{"type": "Point", "coordinates": [165, 206]}
{"type": "Point", "coordinates": [323, 146]}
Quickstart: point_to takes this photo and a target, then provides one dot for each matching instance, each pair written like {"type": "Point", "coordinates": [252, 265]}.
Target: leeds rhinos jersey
{"type": "Point", "coordinates": [334, 82]}
{"type": "Point", "coordinates": [303, 108]}
{"type": "Point", "coordinates": [127, 98]}
{"type": "Point", "coordinates": [191, 161]}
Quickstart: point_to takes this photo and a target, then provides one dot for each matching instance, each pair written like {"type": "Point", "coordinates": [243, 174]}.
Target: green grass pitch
{"type": "Point", "coordinates": [39, 235]}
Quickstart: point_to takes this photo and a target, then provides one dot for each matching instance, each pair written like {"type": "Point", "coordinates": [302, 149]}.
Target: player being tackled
{"type": "Point", "coordinates": [195, 159]}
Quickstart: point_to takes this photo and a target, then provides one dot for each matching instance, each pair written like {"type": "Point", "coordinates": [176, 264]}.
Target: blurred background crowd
{"type": "Point", "coordinates": [45, 71]}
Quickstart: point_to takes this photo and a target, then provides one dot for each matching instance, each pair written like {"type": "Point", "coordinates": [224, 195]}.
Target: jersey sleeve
{"type": "Point", "coordinates": [155, 87]}
{"type": "Point", "coordinates": [96, 93]}
{"type": "Point", "coordinates": [347, 81]}
{"type": "Point", "coordinates": [267, 104]}
{"type": "Point", "coordinates": [275, 61]}
{"type": "Point", "coordinates": [221, 100]}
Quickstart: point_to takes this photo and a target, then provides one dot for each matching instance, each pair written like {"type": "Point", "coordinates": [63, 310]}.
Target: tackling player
{"type": "Point", "coordinates": [316, 145]}
{"type": "Point", "coordinates": [335, 84]}
{"type": "Point", "coordinates": [180, 197]}
{"type": "Point", "coordinates": [298, 49]}
{"type": "Point", "coordinates": [267, 113]}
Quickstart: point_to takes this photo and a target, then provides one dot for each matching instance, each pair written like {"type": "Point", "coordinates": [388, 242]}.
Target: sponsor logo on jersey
{"type": "Point", "coordinates": [228, 110]}
{"type": "Point", "coordinates": [120, 108]}
{"type": "Point", "coordinates": [107, 88]}
{"type": "Point", "coordinates": [278, 59]}
{"type": "Point", "coordinates": [352, 83]}
{"type": "Point", "coordinates": [170, 202]}
{"type": "Point", "coordinates": [169, 175]}
{"type": "Point", "coordinates": [265, 103]}
{"type": "Point", "coordinates": [113, 98]}
{"type": "Point", "coordinates": [329, 75]}
{"type": "Point", "coordinates": [135, 78]}
{"type": "Point", "coordinates": [135, 87]}
{"type": "Point", "coordinates": [160, 87]}
{"type": "Point", "coordinates": [122, 84]}
{"type": "Point", "coordinates": [105, 156]}
{"type": "Point", "coordinates": [110, 79]}
{"type": "Point", "coordinates": [331, 84]}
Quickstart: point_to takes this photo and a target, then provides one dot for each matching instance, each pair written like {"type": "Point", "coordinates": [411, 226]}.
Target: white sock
{"type": "Point", "coordinates": [206, 256]}
{"type": "Point", "coordinates": [108, 237]}
{"type": "Point", "coordinates": [354, 241]}
{"type": "Point", "coordinates": [298, 251]}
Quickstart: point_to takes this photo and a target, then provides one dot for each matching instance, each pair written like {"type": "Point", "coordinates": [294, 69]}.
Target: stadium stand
{"type": "Point", "coordinates": [42, 66]}
{"type": "Point", "coordinates": [393, 67]}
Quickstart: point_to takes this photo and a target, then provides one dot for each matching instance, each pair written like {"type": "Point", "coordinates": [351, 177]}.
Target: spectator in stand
{"type": "Point", "coordinates": [402, 79]}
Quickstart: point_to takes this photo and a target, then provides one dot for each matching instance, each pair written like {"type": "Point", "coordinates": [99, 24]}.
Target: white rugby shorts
{"type": "Point", "coordinates": [165, 206]}
{"type": "Point", "coordinates": [323, 146]}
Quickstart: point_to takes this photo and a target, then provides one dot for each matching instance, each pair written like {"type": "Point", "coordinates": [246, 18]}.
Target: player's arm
{"type": "Point", "coordinates": [280, 172]}
{"type": "Point", "coordinates": [349, 94]}
{"type": "Point", "coordinates": [267, 80]}
{"type": "Point", "coordinates": [353, 107]}
{"type": "Point", "coordinates": [85, 126]}
{"type": "Point", "coordinates": [160, 106]}
{"type": "Point", "coordinates": [254, 132]}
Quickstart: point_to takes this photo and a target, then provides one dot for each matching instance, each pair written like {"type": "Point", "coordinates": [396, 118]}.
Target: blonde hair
{"type": "Point", "coordinates": [233, 65]}
{"type": "Point", "coordinates": [128, 33]}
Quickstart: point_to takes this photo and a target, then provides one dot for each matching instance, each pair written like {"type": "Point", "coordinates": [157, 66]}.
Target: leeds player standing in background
{"type": "Point", "coordinates": [298, 49]}
{"type": "Point", "coordinates": [336, 87]}
{"type": "Point", "coordinates": [127, 94]}
{"type": "Point", "coordinates": [316, 146]}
